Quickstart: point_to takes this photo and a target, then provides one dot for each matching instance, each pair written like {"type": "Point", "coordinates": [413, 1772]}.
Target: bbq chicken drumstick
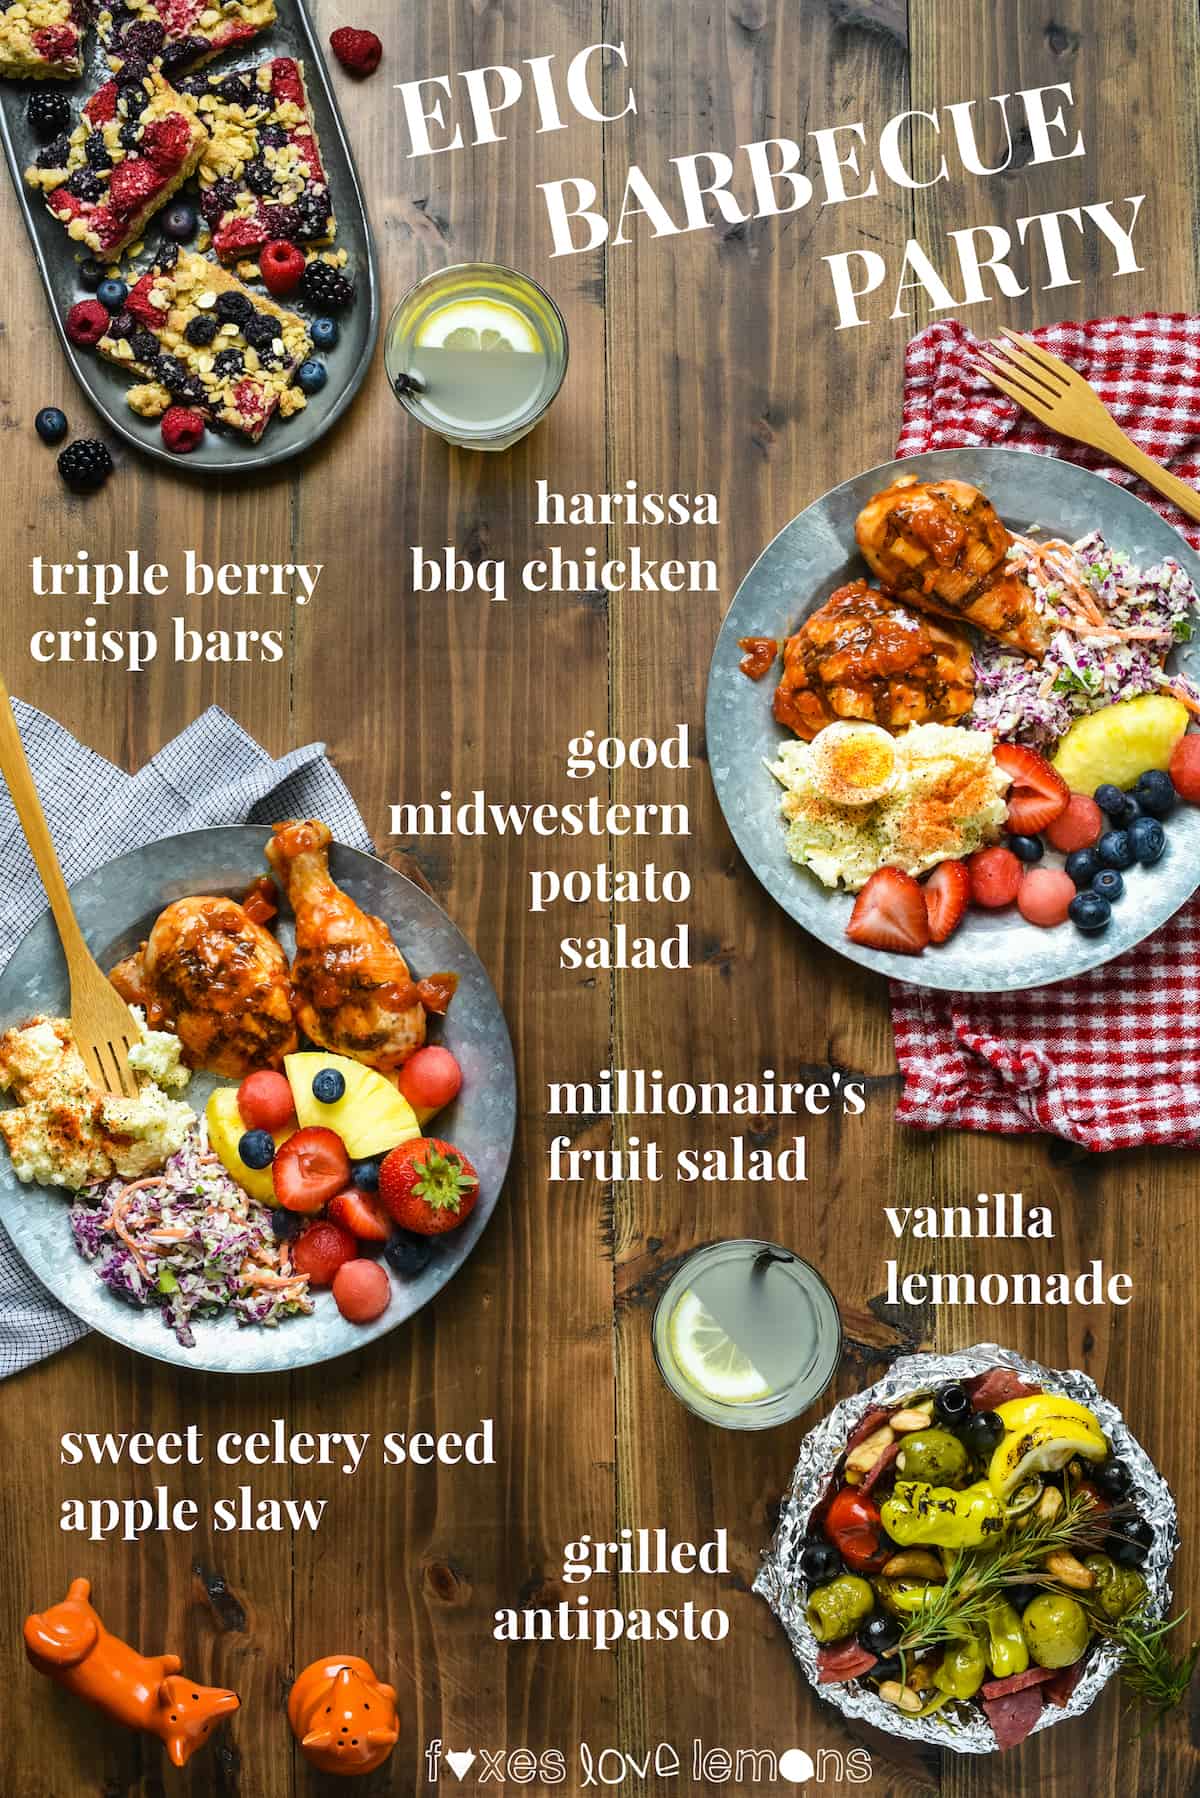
{"type": "Point", "coordinates": [354, 993]}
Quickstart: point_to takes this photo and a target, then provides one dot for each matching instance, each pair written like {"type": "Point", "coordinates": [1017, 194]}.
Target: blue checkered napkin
{"type": "Point", "coordinates": [212, 773]}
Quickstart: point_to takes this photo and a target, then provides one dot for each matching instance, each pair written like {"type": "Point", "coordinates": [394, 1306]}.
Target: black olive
{"type": "Point", "coordinates": [819, 1562]}
{"type": "Point", "coordinates": [880, 1635]}
{"type": "Point", "coordinates": [892, 1668]}
{"type": "Point", "coordinates": [1131, 1542]}
{"type": "Point", "coordinates": [982, 1434]}
{"type": "Point", "coordinates": [1112, 1479]}
{"type": "Point", "coordinates": [952, 1403]}
{"type": "Point", "coordinates": [1020, 1596]}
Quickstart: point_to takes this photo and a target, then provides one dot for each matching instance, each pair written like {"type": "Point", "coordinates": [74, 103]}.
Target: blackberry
{"type": "Point", "coordinates": [314, 216]}
{"type": "Point", "coordinates": [144, 345]}
{"type": "Point", "coordinates": [283, 221]}
{"type": "Point", "coordinates": [129, 134]}
{"type": "Point", "coordinates": [171, 372]}
{"type": "Point", "coordinates": [121, 325]}
{"type": "Point", "coordinates": [273, 137]}
{"type": "Point", "coordinates": [132, 72]}
{"type": "Point", "coordinates": [260, 331]}
{"type": "Point", "coordinates": [48, 113]}
{"type": "Point", "coordinates": [236, 90]}
{"type": "Point", "coordinates": [217, 200]}
{"type": "Point", "coordinates": [55, 154]}
{"type": "Point", "coordinates": [227, 364]}
{"type": "Point", "coordinates": [168, 256]}
{"type": "Point", "coordinates": [184, 50]}
{"type": "Point", "coordinates": [326, 288]}
{"type": "Point", "coordinates": [201, 330]}
{"type": "Point", "coordinates": [85, 465]}
{"type": "Point", "coordinates": [258, 178]}
{"type": "Point", "coordinates": [234, 308]}
{"type": "Point", "coordinates": [189, 391]}
{"type": "Point", "coordinates": [85, 185]}
{"type": "Point", "coordinates": [145, 39]}
{"type": "Point", "coordinates": [95, 151]}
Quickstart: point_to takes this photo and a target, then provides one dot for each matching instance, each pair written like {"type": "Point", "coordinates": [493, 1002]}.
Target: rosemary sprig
{"type": "Point", "coordinates": [1154, 1676]}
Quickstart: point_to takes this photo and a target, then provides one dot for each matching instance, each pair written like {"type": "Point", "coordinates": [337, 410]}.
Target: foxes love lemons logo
{"type": "Point", "coordinates": [460, 1761]}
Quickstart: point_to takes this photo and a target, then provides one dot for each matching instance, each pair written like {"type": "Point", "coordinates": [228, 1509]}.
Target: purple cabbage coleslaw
{"type": "Point", "coordinates": [1023, 701]}
{"type": "Point", "coordinates": [187, 1241]}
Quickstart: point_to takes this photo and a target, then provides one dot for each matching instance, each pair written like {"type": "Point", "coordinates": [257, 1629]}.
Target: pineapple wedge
{"type": "Point", "coordinates": [371, 1117]}
{"type": "Point", "coordinates": [225, 1131]}
{"type": "Point", "coordinates": [1120, 742]}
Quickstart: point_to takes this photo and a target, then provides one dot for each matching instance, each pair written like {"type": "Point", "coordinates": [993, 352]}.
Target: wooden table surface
{"type": "Point", "coordinates": [709, 362]}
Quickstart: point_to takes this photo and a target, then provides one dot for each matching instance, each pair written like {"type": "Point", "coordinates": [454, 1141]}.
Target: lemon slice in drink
{"type": "Point", "coordinates": [476, 325]}
{"type": "Point", "coordinates": [1044, 1447]}
{"type": "Point", "coordinates": [710, 1358]}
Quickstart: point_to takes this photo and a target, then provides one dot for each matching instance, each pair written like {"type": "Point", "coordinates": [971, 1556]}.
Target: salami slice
{"type": "Point", "coordinates": [881, 1466]}
{"type": "Point", "coordinates": [873, 1420]}
{"type": "Point", "coordinates": [845, 1662]}
{"type": "Point", "coordinates": [997, 1387]}
{"type": "Point", "coordinates": [1018, 1682]}
{"type": "Point", "coordinates": [1014, 1716]}
{"type": "Point", "coordinates": [1059, 1689]}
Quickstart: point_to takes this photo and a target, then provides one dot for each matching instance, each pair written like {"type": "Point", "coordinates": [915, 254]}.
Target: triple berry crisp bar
{"type": "Point", "coordinates": [261, 176]}
{"type": "Point", "coordinates": [41, 39]}
{"type": "Point", "coordinates": [135, 144]}
{"type": "Point", "coordinates": [199, 338]}
{"type": "Point", "coordinates": [181, 32]}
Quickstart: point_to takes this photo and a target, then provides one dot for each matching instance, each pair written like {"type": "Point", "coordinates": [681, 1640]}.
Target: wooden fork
{"type": "Point", "coordinates": [1055, 393]}
{"type": "Point", "coordinates": [100, 1019]}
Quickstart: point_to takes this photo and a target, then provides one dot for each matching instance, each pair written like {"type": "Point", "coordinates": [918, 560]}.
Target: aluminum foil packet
{"type": "Point", "coordinates": [965, 1729]}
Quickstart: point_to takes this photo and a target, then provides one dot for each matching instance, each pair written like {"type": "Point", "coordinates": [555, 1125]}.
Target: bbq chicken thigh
{"type": "Point", "coordinates": [940, 545]}
{"type": "Point", "coordinates": [354, 993]}
{"type": "Point", "coordinates": [217, 979]}
{"type": "Point", "coordinates": [866, 656]}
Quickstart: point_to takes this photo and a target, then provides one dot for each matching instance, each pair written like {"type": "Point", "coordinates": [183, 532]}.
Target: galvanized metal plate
{"type": "Point", "coordinates": [815, 554]}
{"type": "Point", "coordinates": [116, 907]}
{"type": "Point", "coordinates": [58, 258]}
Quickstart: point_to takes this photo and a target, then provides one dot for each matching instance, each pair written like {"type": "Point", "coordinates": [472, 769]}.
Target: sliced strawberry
{"type": "Point", "coordinates": [1038, 794]}
{"type": "Point", "coordinates": [947, 892]}
{"type": "Point", "coordinates": [890, 914]}
{"type": "Point", "coordinates": [362, 1215]}
{"type": "Point", "coordinates": [309, 1168]}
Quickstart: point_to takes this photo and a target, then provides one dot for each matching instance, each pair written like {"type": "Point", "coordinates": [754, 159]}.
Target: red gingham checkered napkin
{"type": "Point", "coordinates": [1110, 1060]}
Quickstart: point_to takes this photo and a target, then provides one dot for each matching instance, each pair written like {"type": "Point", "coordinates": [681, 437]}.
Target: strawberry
{"type": "Point", "coordinates": [309, 1168]}
{"type": "Point", "coordinates": [946, 894]}
{"type": "Point", "coordinates": [428, 1186]}
{"type": "Point", "coordinates": [890, 914]}
{"type": "Point", "coordinates": [1038, 794]}
{"type": "Point", "coordinates": [361, 1214]}
{"type": "Point", "coordinates": [358, 51]}
{"type": "Point", "coordinates": [282, 267]}
{"type": "Point", "coordinates": [321, 1250]}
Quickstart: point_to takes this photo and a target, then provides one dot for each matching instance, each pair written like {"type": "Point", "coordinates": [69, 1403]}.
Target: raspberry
{"type": "Point", "coordinates": [57, 43]}
{"type": "Point", "coordinates": [166, 142]}
{"type": "Point", "coordinates": [103, 104]}
{"type": "Point", "coordinates": [138, 302]}
{"type": "Point", "coordinates": [85, 465]}
{"type": "Point", "coordinates": [87, 322]}
{"type": "Point", "coordinates": [358, 51]}
{"type": "Point", "coordinates": [241, 233]}
{"type": "Point", "coordinates": [285, 81]}
{"type": "Point", "coordinates": [282, 267]}
{"type": "Point", "coordinates": [133, 183]}
{"type": "Point", "coordinates": [182, 430]}
{"type": "Point", "coordinates": [325, 288]}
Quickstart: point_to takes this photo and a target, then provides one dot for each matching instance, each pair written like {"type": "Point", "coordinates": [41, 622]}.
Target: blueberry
{"type": "Point", "coordinates": [328, 1086]}
{"type": "Point", "coordinates": [1109, 884]}
{"type": "Point", "coordinates": [112, 293]}
{"type": "Point", "coordinates": [1155, 793]}
{"type": "Point", "coordinates": [179, 222]}
{"type": "Point", "coordinates": [1148, 840]}
{"type": "Point", "coordinates": [1110, 799]}
{"type": "Point", "coordinates": [91, 273]}
{"type": "Point", "coordinates": [51, 424]}
{"type": "Point", "coordinates": [1132, 809]}
{"type": "Point", "coordinates": [311, 376]}
{"type": "Point", "coordinates": [409, 1255]}
{"type": "Point", "coordinates": [1131, 1542]}
{"type": "Point", "coordinates": [1027, 849]}
{"type": "Point", "coordinates": [1083, 865]}
{"type": "Point", "coordinates": [257, 1148]}
{"type": "Point", "coordinates": [325, 332]}
{"type": "Point", "coordinates": [1090, 913]}
{"type": "Point", "coordinates": [366, 1173]}
{"type": "Point", "coordinates": [286, 1225]}
{"type": "Point", "coordinates": [1115, 849]}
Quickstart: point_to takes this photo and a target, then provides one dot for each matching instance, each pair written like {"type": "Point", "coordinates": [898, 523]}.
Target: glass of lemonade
{"type": "Point", "coordinates": [747, 1335]}
{"type": "Point", "coordinates": [478, 353]}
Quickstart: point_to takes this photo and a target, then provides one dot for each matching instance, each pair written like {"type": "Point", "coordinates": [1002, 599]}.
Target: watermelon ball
{"type": "Point", "coordinates": [995, 877]}
{"type": "Point", "coordinates": [361, 1291]}
{"type": "Point", "coordinates": [264, 1101]}
{"type": "Point", "coordinates": [1044, 897]}
{"type": "Point", "coordinates": [1185, 768]}
{"type": "Point", "coordinates": [1078, 827]}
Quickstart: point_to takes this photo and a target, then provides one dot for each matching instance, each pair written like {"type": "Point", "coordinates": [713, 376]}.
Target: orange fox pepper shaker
{"type": "Point", "coordinates": [343, 1717]}
{"type": "Point", "coordinates": [69, 1644]}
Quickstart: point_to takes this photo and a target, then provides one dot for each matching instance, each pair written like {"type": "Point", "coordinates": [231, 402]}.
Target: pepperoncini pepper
{"type": "Point", "coordinates": [918, 1514]}
{"type": "Point", "coordinates": [836, 1610]}
{"type": "Point", "coordinates": [963, 1669]}
{"type": "Point", "coordinates": [1119, 1590]}
{"type": "Point", "coordinates": [1007, 1652]}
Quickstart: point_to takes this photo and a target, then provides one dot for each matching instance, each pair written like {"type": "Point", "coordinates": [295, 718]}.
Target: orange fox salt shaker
{"type": "Point", "coordinates": [343, 1717]}
{"type": "Point", "coordinates": [69, 1644]}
